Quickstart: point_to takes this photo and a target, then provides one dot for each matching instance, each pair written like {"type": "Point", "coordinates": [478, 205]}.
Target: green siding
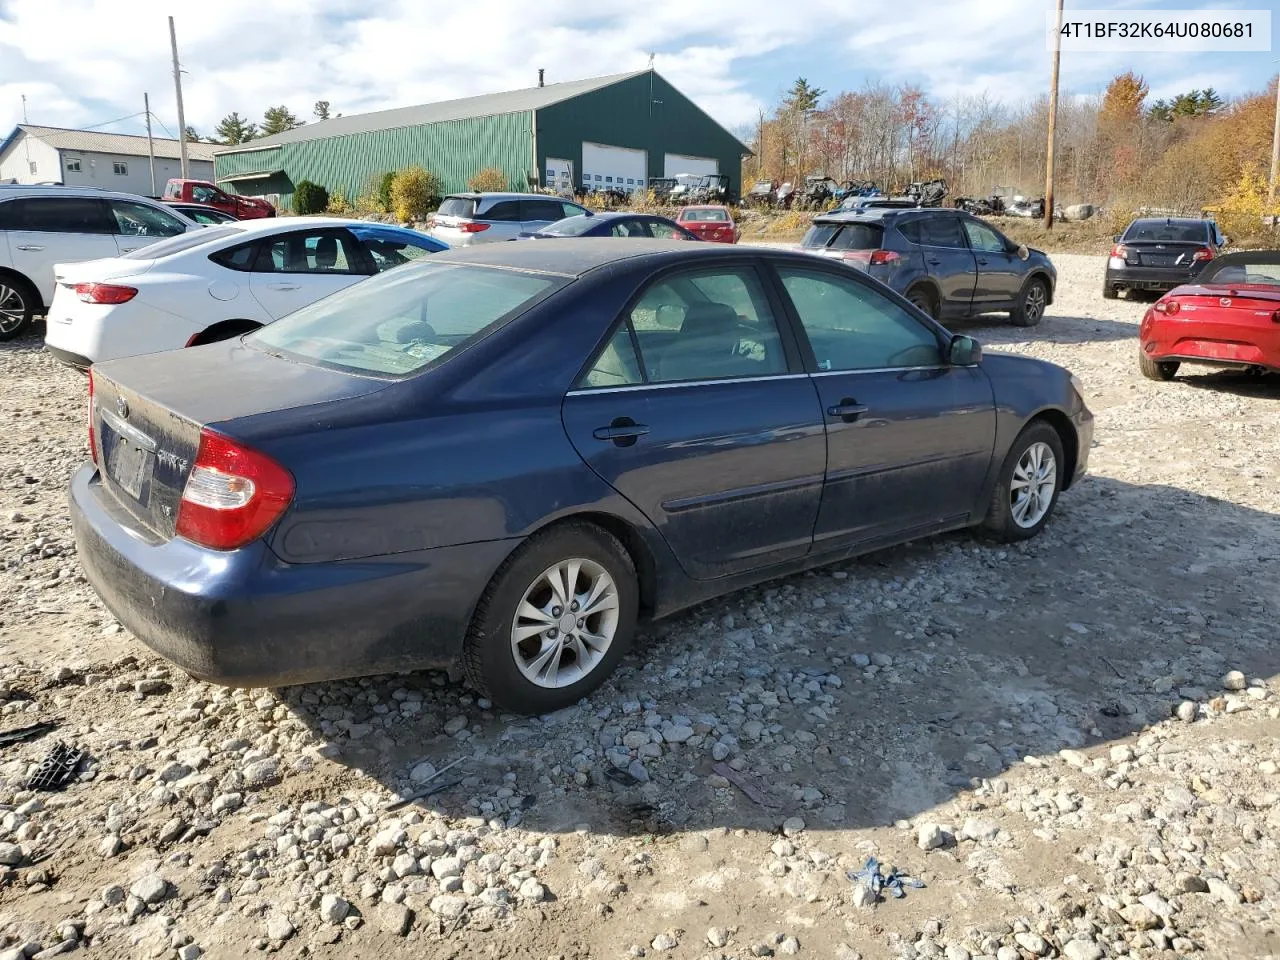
{"type": "Point", "coordinates": [453, 150]}
{"type": "Point", "coordinates": [625, 115]}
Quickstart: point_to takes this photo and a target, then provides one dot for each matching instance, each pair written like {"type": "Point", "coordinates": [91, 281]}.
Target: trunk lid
{"type": "Point", "coordinates": [1164, 253]}
{"type": "Point", "coordinates": [148, 413]}
{"type": "Point", "coordinates": [93, 271]}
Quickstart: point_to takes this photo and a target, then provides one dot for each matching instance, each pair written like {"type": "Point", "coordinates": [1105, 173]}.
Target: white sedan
{"type": "Point", "coordinates": [215, 283]}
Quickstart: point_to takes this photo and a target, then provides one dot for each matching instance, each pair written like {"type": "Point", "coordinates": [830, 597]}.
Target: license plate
{"type": "Point", "coordinates": [128, 464]}
{"type": "Point", "coordinates": [1158, 261]}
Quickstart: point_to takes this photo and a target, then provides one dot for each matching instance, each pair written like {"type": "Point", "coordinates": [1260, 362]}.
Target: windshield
{"type": "Point", "coordinates": [457, 207]}
{"type": "Point", "coordinates": [1161, 231]}
{"type": "Point", "coordinates": [182, 242]}
{"type": "Point", "coordinates": [571, 226]}
{"type": "Point", "coordinates": [710, 216]}
{"type": "Point", "coordinates": [402, 321]}
{"type": "Point", "coordinates": [1265, 273]}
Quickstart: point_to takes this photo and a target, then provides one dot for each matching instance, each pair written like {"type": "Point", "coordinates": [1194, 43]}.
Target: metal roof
{"type": "Point", "coordinates": [486, 105]}
{"type": "Point", "coordinates": [96, 141]}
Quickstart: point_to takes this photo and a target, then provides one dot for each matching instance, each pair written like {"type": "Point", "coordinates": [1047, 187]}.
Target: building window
{"type": "Point", "coordinates": [598, 178]}
{"type": "Point", "coordinates": [73, 164]}
{"type": "Point", "coordinates": [120, 168]}
{"type": "Point", "coordinates": [31, 164]}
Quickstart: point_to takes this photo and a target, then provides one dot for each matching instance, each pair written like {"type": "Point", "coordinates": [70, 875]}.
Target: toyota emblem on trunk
{"type": "Point", "coordinates": [1224, 302]}
{"type": "Point", "coordinates": [122, 406]}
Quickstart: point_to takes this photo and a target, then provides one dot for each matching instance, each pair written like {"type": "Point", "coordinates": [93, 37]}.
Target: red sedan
{"type": "Point", "coordinates": [709, 222]}
{"type": "Point", "coordinates": [1228, 318]}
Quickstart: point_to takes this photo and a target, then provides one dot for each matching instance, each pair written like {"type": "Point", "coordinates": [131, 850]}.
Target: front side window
{"type": "Point", "coordinates": [628, 228]}
{"type": "Point", "coordinates": [664, 231]}
{"type": "Point", "coordinates": [983, 238]}
{"type": "Point", "coordinates": [707, 325]}
{"type": "Point", "coordinates": [851, 326]}
{"type": "Point", "coordinates": [324, 251]}
{"type": "Point", "coordinates": [549, 210]}
{"type": "Point", "coordinates": [391, 248]}
{"type": "Point", "coordinates": [73, 164]}
{"type": "Point", "coordinates": [400, 322]}
{"type": "Point", "coordinates": [60, 215]}
{"type": "Point", "coordinates": [140, 220]}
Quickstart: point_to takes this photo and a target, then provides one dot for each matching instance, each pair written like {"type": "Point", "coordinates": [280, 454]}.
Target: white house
{"type": "Point", "coordinates": [90, 158]}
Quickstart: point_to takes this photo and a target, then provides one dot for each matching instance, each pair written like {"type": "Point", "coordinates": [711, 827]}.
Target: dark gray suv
{"type": "Point", "coordinates": [946, 262]}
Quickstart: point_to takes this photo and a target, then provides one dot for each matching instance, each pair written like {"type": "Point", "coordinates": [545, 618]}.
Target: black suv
{"type": "Point", "coordinates": [1160, 253]}
{"type": "Point", "coordinates": [946, 262]}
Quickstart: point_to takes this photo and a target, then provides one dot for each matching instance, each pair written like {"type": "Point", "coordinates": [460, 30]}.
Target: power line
{"type": "Point", "coordinates": [107, 123]}
{"type": "Point", "coordinates": [163, 127]}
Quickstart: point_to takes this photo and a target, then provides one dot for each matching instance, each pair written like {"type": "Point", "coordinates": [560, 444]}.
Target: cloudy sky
{"type": "Point", "coordinates": [85, 62]}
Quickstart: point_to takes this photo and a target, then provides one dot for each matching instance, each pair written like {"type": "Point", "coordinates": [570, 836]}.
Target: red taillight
{"type": "Point", "coordinates": [1120, 250]}
{"type": "Point", "coordinates": [881, 257]}
{"type": "Point", "coordinates": [105, 293]}
{"type": "Point", "coordinates": [1168, 307]}
{"type": "Point", "coordinates": [233, 495]}
{"type": "Point", "coordinates": [93, 441]}
{"type": "Point", "coordinates": [1204, 253]}
{"type": "Point", "coordinates": [472, 227]}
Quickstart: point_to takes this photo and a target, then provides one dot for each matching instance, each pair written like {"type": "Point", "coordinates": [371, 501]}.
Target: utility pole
{"type": "Point", "coordinates": [1275, 157]}
{"type": "Point", "coordinates": [177, 86]}
{"type": "Point", "coordinates": [1053, 122]}
{"type": "Point", "coordinates": [151, 147]}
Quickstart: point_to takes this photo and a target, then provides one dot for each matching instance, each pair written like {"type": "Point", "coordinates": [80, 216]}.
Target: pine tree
{"type": "Point", "coordinates": [278, 120]}
{"type": "Point", "coordinates": [321, 110]}
{"type": "Point", "coordinates": [192, 136]}
{"type": "Point", "coordinates": [233, 128]}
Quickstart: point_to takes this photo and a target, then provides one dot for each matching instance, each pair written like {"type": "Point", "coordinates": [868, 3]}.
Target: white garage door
{"type": "Point", "coordinates": [613, 168]}
{"type": "Point", "coordinates": [678, 163]}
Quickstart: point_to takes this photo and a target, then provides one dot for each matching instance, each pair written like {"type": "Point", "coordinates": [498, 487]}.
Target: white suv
{"type": "Point", "coordinates": [41, 226]}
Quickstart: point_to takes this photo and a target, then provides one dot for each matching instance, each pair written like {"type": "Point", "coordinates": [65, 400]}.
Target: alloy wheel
{"type": "Point", "coordinates": [1035, 303]}
{"type": "Point", "coordinates": [13, 309]}
{"type": "Point", "coordinates": [565, 623]}
{"type": "Point", "coordinates": [1032, 486]}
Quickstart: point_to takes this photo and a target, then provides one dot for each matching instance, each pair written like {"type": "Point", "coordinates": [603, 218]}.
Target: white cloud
{"type": "Point", "coordinates": [82, 62]}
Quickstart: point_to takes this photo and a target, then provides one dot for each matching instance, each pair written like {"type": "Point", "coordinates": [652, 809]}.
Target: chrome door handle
{"type": "Point", "coordinates": [29, 246]}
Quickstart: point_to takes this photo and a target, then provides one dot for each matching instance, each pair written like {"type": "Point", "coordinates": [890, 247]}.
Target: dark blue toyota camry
{"type": "Point", "coordinates": [507, 454]}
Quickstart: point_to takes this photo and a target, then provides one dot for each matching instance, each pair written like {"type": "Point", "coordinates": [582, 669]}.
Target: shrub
{"type": "Point", "coordinates": [415, 192]}
{"type": "Point", "coordinates": [489, 180]}
{"type": "Point", "coordinates": [337, 205]}
{"type": "Point", "coordinates": [309, 198]}
{"type": "Point", "coordinates": [384, 190]}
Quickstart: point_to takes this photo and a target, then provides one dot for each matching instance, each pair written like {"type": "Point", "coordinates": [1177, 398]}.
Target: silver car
{"type": "Point", "coordinates": [467, 218]}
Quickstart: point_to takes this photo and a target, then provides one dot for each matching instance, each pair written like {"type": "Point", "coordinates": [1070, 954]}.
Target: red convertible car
{"type": "Point", "coordinates": [1228, 318]}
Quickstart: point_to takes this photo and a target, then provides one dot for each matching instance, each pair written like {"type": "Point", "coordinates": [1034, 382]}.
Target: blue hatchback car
{"type": "Point", "coordinates": [507, 454]}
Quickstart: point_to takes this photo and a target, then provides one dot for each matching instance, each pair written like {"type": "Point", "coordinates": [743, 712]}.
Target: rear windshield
{"type": "Point", "coordinates": [172, 189]}
{"type": "Point", "coordinates": [457, 207]}
{"type": "Point", "coordinates": [571, 226]}
{"type": "Point", "coordinates": [1264, 274]}
{"type": "Point", "coordinates": [711, 216]}
{"type": "Point", "coordinates": [182, 242]}
{"type": "Point", "coordinates": [858, 236]}
{"type": "Point", "coordinates": [1158, 231]}
{"type": "Point", "coordinates": [820, 234]}
{"type": "Point", "coordinates": [400, 322]}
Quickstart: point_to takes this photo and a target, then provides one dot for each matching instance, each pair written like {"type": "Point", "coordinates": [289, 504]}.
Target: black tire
{"type": "Point", "coordinates": [1110, 291]}
{"type": "Point", "coordinates": [1001, 523]}
{"type": "Point", "coordinates": [1157, 369]}
{"type": "Point", "coordinates": [922, 298]}
{"type": "Point", "coordinates": [488, 657]}
{"type": "Point", "coordinates": [1031, 303]}
{"type": "Point", "coordinates": [19, 301]}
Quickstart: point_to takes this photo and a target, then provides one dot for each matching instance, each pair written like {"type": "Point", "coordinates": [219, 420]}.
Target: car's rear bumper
{"type": "Point", "coordinates": [83, 334]}
{"type": "Point", "coordinates": [1152, 278]}
{"type": "Point", "coordinates": [69, 358]}
{"type": "Point", "coordinates": [245, 618]}
{"type": "Point", "coordinates": [1216, 344]}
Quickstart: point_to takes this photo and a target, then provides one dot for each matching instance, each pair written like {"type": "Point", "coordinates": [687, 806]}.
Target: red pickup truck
{"type": "Point", "coordinates": [202, 191]}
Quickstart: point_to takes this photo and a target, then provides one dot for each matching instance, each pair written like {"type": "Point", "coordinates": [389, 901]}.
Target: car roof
{"type": "Point", "coordinates": [874, 214]}
{"type": "Point", "coordinates": [704, 206]}
{"type": "Point", "coordinates": [285, 224]}
{"type": "Point", "coordinates": [10, 190]}
{"type": "Point", "coordinates": [500, 195]}
{"type": "Point", "coordinates": [1179, 221]}
{"type": "Point", "coordinates": [575, 257]}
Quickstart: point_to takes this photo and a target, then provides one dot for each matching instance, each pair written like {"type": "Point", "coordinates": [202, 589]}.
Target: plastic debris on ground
{"type": "Point", "coordinates": [893, 881]}
{"type": "Point", "coordinates": [56, 769]}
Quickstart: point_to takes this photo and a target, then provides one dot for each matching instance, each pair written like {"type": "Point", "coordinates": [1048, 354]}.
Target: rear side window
{"type": "Point", "coordinates": [617, 365]}
{"type": "Point", "coordinates": [504, 211]}
{"type": "Point", "coordinates": [859, 236]}
{"type": "Point", "coordinates": [541, 210]}
{"type": "Point", "coordinates": [140, 220]}
{"type": "Point", "coordinates": [941, 232]}
{"type": "Point", "coordinates": [457, 207]}
{"type": "Point", "coordinates": [240, 258]}
{"type": "Point", "coordinates": [402, 321]}
{"type": "Point", "coordinates": [59, 215]}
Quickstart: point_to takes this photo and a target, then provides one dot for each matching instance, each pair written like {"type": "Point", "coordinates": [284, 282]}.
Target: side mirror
{"type": "Point", "coordinates": [1023, 252]}
{"type": "Point", "coordinates": [964, 352]}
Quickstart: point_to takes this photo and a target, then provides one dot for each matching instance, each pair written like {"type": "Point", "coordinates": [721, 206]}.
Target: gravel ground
{"type": "Point", "coordinates": [1073, 742]}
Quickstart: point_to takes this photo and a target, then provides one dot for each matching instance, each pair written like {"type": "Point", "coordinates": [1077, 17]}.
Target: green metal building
{"type": "Point", "coordinates": [605, 132]}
